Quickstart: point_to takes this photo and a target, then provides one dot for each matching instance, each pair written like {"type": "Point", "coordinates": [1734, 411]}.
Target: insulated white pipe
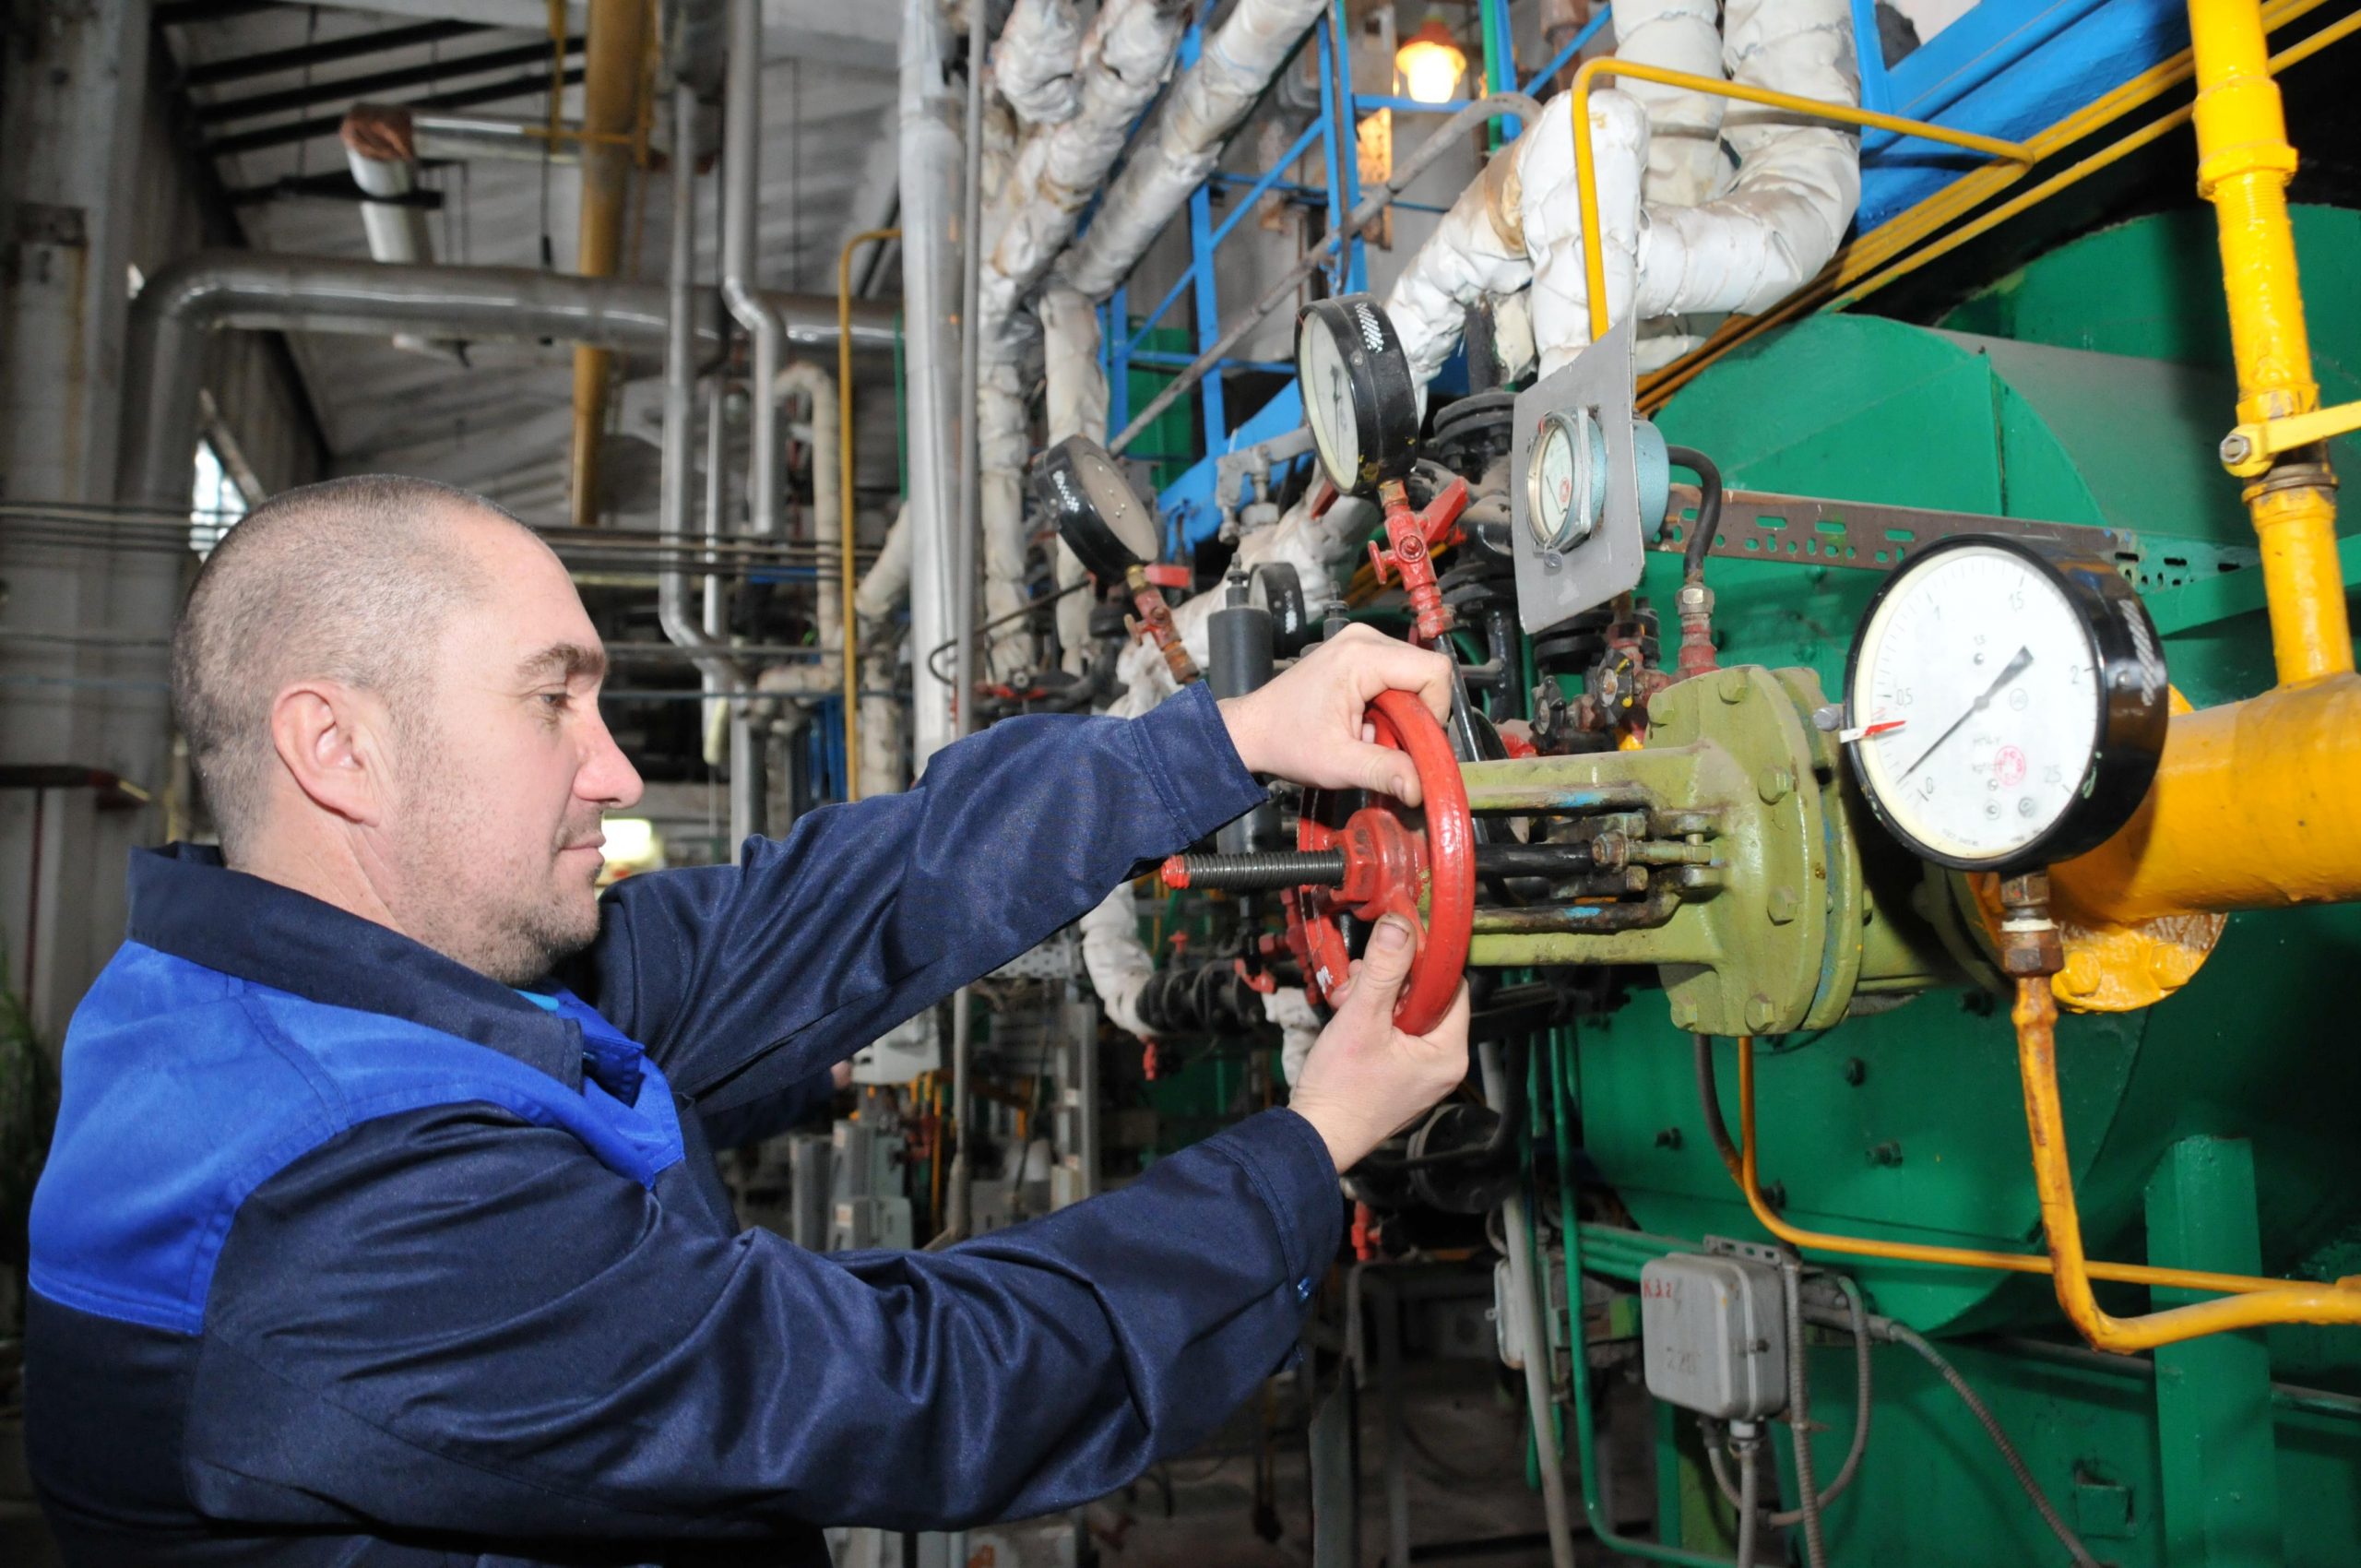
{"type": "Point", "coordinates": [1003, 441]}
{"type": "Point", "coordinates": [1172, 157]}
{"type": "Point", "coordinates": [1121, 62]}
{"type": "Point", "coordinates": [930, 224]}
{"type": "Point", "coordinates": [822, 676]}
{"type": "Point", "coordinates": [1033, 60]}
{"type": "Point", "coordinates": [1076, 391]}
{"type": "Point", "coordinates": [1477, 249]}
{"type": "Point", "coordinates": [1686, 164]}
{"type": "Point", "coordinates": [1552, 215]}
{"type": "Point", "coordinates": [881, 591]}
{"type": "Point", "coordinates": [1798, 181]}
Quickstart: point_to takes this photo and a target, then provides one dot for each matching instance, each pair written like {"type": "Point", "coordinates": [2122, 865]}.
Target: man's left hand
{"type": "Point", "coordinates": [1309, 726]}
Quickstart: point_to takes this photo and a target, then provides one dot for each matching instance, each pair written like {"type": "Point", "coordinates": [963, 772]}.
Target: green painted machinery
{"type": "Point", "coordinates": [2215, 1130]}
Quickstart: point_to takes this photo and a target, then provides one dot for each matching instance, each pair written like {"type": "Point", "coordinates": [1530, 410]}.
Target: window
{"type": "Point", "coordinates": [215, 504]}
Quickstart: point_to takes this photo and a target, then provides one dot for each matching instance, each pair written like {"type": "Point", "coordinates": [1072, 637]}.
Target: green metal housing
{"type": "Point", "coordinates": [2089, 388]}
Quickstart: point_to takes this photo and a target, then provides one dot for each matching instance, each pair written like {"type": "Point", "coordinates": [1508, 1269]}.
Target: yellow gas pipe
{"type": "Point", "coordinates": [845, 530]}
{"type": "Point", "coordinates": [614, 68]}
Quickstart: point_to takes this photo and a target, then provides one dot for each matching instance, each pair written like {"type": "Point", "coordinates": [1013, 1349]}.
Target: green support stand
{"type": "Point", "coordinates": [2214, 1416]}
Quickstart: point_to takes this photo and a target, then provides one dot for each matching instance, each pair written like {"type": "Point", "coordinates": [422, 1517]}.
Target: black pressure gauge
{"type": "Point", "coordinates": [1103, 521]}
{"type": "Point", "coordinates": [1278, 588]}
{"type": "Point", "coordinates": [1358, 394]}
{"type": "Point", "coordinates": [2008, 703]}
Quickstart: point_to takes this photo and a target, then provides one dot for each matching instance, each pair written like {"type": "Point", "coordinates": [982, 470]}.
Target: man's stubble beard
{"type": "Point", "coordinates": [472, 901]}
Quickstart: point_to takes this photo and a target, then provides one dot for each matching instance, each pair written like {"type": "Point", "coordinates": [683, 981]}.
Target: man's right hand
{"type": "Point", "coordinates": [1366, 1079]}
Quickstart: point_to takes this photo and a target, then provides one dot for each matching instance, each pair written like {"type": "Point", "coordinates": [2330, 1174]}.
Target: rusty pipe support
{"type": "Point", "coordinates": [614, 66]}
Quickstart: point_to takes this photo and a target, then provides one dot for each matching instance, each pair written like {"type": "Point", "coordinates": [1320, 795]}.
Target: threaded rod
{"type": "Point", "coordinates": [1262, 870]}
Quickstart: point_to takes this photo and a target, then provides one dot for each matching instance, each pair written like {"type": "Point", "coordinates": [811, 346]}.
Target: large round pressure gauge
{"type": "Point", "coordinates": [2008, 703]}
{"type": "Point", "coordinates": [1103, 521]}
{"type": "Point", "coordinates": [1358, 395]}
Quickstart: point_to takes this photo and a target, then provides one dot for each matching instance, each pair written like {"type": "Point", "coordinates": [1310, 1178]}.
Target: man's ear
{"type": "Point", "coordinates": [332, 740]}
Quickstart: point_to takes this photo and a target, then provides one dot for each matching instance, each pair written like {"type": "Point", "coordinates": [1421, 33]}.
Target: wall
{"type": "Point", "coordinates": [94, 185]}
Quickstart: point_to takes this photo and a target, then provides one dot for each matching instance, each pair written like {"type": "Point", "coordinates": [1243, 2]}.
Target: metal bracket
{"type": "Point", "coordinates": [1811, 531]}
{"type": "Point", "coordinates": [1553, 586]}
{"type": "Point", "coordinates": [2251, 449]}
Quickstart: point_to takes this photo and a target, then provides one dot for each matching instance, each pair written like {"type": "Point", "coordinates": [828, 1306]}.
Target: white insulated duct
{"type": "Point", "coordinates": [1477, 249]}
{"type": "Point", "coordinates": [823, 676]}
{"type": "Point", "coordinates": [1033, 61]}
{"type": "Point", "coordinates": [1076, 390]}
{"type": "Point", "coordinates": [1686, 164]}
{"type": "Point", "coordinates": [1796, 189]}
{"type": "Point", "coordinates": [1121, 62]}
{"type": "Point", "coordinates": [1798, 181]}
{"type": "Point", "coordinates": [383, 160]}
{"type": "Point", "coordinates": [1003, 440]}
{"type": "Point", "coordinates": [1552, 215]}
{"type": "Point", "coordinates": [883, 588]}
{"type": "Point", "coordinates": [1173, 156]}
{"type": "Point", "coordinates": [1519, 222]}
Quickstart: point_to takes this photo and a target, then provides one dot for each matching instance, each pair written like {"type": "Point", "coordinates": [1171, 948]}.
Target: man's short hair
{"type": "Point", "coordinates": [348, 580]}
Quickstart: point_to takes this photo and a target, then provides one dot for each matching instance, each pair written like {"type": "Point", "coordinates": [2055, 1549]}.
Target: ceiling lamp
{"type": "Point", "coordinates": [1431, 63]}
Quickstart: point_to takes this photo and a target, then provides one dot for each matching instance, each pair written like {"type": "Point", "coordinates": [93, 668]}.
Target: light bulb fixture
{"type": "Point", "coordinates": [1431, 63]}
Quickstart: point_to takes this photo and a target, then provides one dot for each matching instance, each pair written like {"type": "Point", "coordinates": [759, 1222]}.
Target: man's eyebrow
{"type": "Point", "coordinates": [568, 659]}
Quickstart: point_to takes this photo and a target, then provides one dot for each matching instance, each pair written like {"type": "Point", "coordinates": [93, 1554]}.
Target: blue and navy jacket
{"type": "Point", "coordinates": [348, 1254]}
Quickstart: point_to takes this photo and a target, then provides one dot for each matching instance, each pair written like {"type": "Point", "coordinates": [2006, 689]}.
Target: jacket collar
{"type": "Point", "coordinates": [186, 903]}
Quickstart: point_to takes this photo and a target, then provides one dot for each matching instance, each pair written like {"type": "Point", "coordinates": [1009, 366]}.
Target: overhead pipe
{"type": "Point", "coordinates": [931, 228]}
{"type": "Point", "coordinates": [1033, 61]}
{"type": "Point", "coordinates": [742, 134]}
{"type": "Point", "coordinates": [672, 609]}
{"type": "Point", "coordinates": [1122, 61]}
{"type": "Point", "coordinates": [377, 150]}
{"type": "Point", "coordinates": [211, 291]}
{"type": "Point", "coordinates": [614, 68]}
{"type": "Point", "coordinates": [1171, 157]}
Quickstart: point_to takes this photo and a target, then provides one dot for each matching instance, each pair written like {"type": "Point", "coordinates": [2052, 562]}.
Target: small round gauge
{"type": "Point", "coordinates": [1358, 395]}
{"type": "Point", "coordinates": [2008, 703]}
{"type": "Point", "coordinates": [1564, 496]}
{"type": "Point", "coordinates": [1103, 521]}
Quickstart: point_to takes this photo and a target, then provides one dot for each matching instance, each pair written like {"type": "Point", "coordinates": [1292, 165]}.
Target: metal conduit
{"type": "Point", "coordinates": [740, 199]}
{"type": "Point", "coordinates": [217, 289]}
{"type": "Point", "coordinates": [672, 611]}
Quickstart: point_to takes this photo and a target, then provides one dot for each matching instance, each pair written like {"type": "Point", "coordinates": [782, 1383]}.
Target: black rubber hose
{"type": "Point", "coordinates": [1709, 506]}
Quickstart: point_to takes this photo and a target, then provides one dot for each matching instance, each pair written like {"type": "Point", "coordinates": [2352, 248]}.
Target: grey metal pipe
{"type": "Point", "coordinates": [1452, 133]}
{"type": "Point", "coordinates": [679, 376]}
{"type": "Point", "coordinates": [470, 137]}
{"type": "Point", "coordinates": [963, 572]}
{"type": "Point", "coordinates": [931, 218]}
{"type": "Point", "coordinates": [1534, 1303]}
{"type": "Point", "coordinates": [742, 140]}
{"type": "Point", "coordinates": [213, 290]}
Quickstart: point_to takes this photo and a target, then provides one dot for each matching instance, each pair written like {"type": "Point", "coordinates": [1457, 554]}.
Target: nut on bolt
{"type": "Point", "coordinates": [2236, 447]}
{"type": "Point", "coordinates": [2030, 943]}
{"type": "Point", "coordinates": [1760, 1012]}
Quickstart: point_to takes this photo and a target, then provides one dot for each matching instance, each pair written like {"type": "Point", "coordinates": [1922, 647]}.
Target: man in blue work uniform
{"type": "Point", "coordinates": [363, 1241]}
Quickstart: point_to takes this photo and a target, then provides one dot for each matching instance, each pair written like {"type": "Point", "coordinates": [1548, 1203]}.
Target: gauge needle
{"type": "Point", "coordinates": [2014, 668]}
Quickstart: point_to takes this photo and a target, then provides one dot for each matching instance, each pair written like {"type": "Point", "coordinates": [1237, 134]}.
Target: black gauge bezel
{"type": "Point", "coordinates": [1095, 536]}
{"type": "Point", "coordinates": [1277, 587]}
{"type": "Point", "coordinates": [2133, 695]}
{"type": "Point", "coordinates": [1385, 398]}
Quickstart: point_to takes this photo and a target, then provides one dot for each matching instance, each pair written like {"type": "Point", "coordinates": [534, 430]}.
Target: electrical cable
{"type": "Point", "coordinates": [1896, 1332]}
{"type": "Point", "coordinates": [1750, 1498]}
{"type": "Point", "coordinates": [1709, 506]}
{"type": "Point", "coordinates": [1791, 1275]}
{"type": "Point", "coordinates": [1029, 607]}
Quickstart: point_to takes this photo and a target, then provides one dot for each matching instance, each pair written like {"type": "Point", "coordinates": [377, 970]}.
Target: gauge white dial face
{"type": "Point", "coordinates": [1553, 481]}
{"type": "Point", "coordinates": [1328, 403]}
{"type": "Point", "coordinates": [1978, 693]}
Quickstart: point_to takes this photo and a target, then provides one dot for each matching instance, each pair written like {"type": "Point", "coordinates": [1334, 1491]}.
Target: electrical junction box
{"type": "Point", "coordinates": [1715, 1336]}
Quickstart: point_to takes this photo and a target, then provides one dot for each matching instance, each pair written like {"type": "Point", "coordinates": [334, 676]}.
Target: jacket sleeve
{"type": "Point", "coordinates": [498, 1338]}
{"type": "Point", "coordinates": [740, 980]}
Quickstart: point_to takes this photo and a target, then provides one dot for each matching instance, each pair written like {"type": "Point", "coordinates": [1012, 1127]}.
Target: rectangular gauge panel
{"type": "Point", "coordinates": [1554, 586]}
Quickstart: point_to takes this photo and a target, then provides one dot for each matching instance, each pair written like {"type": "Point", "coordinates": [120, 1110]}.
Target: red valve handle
{"type": "Point", "coordinates": [1395, 867]}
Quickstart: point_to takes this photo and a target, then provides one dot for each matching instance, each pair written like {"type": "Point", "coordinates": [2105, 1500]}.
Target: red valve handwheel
{"type": "Point", "coordinates": [1426, 874]}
